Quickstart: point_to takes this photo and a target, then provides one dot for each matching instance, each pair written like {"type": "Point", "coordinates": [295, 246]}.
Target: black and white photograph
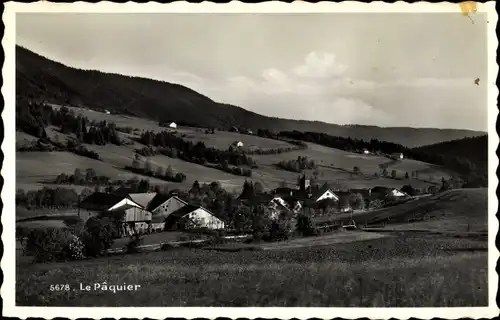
{"type": "Point", "coordinates": [222, 157]}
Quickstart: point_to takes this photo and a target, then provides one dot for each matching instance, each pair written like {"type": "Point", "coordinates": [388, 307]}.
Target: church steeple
{"type": "Point", "coordinates": [304, 183]}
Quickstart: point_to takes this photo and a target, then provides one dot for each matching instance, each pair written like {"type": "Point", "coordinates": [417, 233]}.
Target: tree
{"type": "Point", "coordinates": [356, 170]}
{"type": "Point", "coordinates": [195, 189]}
{"type": "Point", "coordinates": [136, 164]}
{"type": "Point", "coordinates": [305, 225]}
{"type": "Point", "coordinates": [394, 174]}
{"type": "Point", "coordinates": [258, 188]}
{"type": "Point", "coordinates": [407, 176]}
{"type": "Point", "coordinates": [160, 171]}
{"type": "Point", "coordinates": [169, 173]}
{"type": "Point", "coordinates": [90, 175]}
{"type": "Point", "coordinates": [148, 166]}
{"type": "Point", "coordinates": [78, 176]}
{"type": "Point", "coordinates": [409, 190]}
{"type": "Point", "coordinates": [356, 201]}
{"type": "Point", "coordinates": [98, 235]}
{"type": "Point", "coordinates": [385, 173]}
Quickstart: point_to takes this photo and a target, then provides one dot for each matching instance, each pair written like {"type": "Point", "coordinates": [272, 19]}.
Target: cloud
{"type": "Point", "coordinates": [319, 65]}
{"type": "Point", "coordinates": [320, 89]}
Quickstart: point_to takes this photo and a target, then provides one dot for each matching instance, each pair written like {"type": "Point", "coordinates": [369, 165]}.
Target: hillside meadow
{"type": "Point", "coordinates": [391, 271]}
{"type": "Point", "coordinates": [455, 212]}
{"type": "Point", "coordinates": [334, 165]}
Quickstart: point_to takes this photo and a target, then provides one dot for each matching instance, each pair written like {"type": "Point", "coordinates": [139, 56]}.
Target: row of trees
{"type": "Point", "coordinates": [194, 152]}
{"type": "Point", "coordinates": [146, 168]}
{"type": "Point", "coordinates": [33, 118]}
{"type": "Point", "coordinates": [342, 143]}
{"type": "Point", "coordinates": [88, 177]}
{"type": "Point", "coordinates": [302, 163]}
{"type": "Point", "coordinates": [59, 198]}
{"type": "Point", "coordinates": [173, 146]}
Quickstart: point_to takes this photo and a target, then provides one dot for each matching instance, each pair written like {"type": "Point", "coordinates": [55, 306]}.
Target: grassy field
{"type": "Point", "coordinates": [456, 211]}
{"type": "Point", "coordinates": [334, 165]}
{"type": "Point", "coordinates": [403, 271]}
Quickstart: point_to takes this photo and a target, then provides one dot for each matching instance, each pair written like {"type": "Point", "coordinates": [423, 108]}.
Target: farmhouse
{"type": "Point", "coordinates": [238, 144]}
{"type": "Point", "coordinates": [395, 194]}
{"type": "Point", "coordinates": [365, 151]}
{"type": "Point", "coordinates": [323, 194]}
{"type": "Point", "coordinates": [173, 125]}
{"type": "Point", "coordinates": [149, 211]}
{"type": "Point", "coordinates": [163, 206]}
{"type": "Point", "coordinates": [189, 217]}
{"type": "Point", "coordinates": [396, 156]}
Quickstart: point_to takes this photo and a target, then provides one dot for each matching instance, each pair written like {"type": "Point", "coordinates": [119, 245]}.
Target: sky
{"type": "Point", "coordinates": [384, 69]}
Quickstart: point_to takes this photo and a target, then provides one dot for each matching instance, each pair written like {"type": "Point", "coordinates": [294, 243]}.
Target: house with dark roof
{"type": "Point", "coordinates": [190, 216]}
{"type": "Point", "coordinates": [163, 205]}
{"type": "Point", "coordinates": [97, 203]}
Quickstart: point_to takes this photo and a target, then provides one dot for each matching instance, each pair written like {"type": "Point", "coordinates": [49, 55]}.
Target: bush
{"type": "Point", "coordinates": [98, 236]}
{"type": "Point", "coordinates": [76, 248]}
{"type": "Point", "coordinates": [167, 247]}
{"type": "Point", "coordinates": [305, 225]}
{"type": "Point", "coordinates": [279, 230]}
{"type": "Point", "coordinates": [50, 244]}
{"type": "Point", "coordinates": [132, 245]}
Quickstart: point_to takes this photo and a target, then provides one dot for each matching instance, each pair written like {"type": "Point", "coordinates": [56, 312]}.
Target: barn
{"type": "Point", "coordinates": [238, 144]}
{"type": "Point", "coordinates": [190, 216]}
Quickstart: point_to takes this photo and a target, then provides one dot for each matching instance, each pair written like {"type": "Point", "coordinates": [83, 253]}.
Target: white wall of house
{"type": "Point", "coordinates": [297, 207]}
{"type": "Point", "coordinates": [397, 193]}
{"type": "Point", "coordinates": [169, 206]}
{"type": "Point", "coordinates": [205, 219]}
{"type": "Point", "coordinates": [280, 201]}
{"type": "Point", "coordinates": [137, 214]}
{"type": "Point", "coordinates": [173, 125]}
{"type": "Point", "coordinates": [327, 195]}
{"type": "Point", "coordinates": [124, 202]}
{"type": "Point", "coordinates": [158, 226]}
{"type": "Point", "coordinates": [141, 227]}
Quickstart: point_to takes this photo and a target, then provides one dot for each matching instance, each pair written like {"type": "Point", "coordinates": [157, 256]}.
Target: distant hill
{"type": "Point", "coordinates": [40, 78]}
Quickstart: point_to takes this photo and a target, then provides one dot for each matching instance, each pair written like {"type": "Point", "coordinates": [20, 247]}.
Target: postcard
{"type": "Point", "coordinates": [274, 160]}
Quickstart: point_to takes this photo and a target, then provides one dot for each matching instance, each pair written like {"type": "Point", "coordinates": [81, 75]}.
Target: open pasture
{"type": "Point", "coordinates": [37, 167]}
{"type": "Point", "coordinates": [223, 139]}
{"type": "Point", "coordinates": [368, 164]}
{"type": "Point", "coordinates": [457, 211]}
{"type": "Point", "coordinates": [384, 272]}
{"type": "Point", "coordinates": [119, 119]}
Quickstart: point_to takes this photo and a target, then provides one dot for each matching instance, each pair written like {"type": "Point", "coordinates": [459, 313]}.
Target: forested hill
{"type": "Point", "coordinates": [39, 78]}
{"type": "Point", "coordinates": [468, 156]}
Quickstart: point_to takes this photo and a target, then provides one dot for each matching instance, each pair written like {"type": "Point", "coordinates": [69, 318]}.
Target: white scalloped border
{"type": "Point", "coordinates": [8, 169]}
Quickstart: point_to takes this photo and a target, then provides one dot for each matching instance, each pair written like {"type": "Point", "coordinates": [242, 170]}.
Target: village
{"type": "Point", "coordinates": [205, 162]}
{"type": "Point", "coordinates": [153, 212]}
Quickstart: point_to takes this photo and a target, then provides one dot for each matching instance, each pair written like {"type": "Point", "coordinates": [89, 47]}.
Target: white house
{"type": "Point", "coordinates": [173, 125]}
{"type": "Point", "coordinates": [238, 144]}
{"type": "Point", "coordinates": [397, 156]}
{"type": "Point", "coordinates": [107, 111]}
{"type": "Point", "coordinates": [190, 216]}
{"type": "Point", "coordinates": [396, 194]}
{"type": "Point", "coordinates": [365, 151]}
{"type": "Point", "coordinates": [326, 194]}
{"type": "Point", "coordinates": [164, 206]}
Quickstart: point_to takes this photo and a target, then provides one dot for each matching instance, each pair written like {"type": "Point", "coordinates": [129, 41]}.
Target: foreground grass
{"type": "Point", "coordinates": [386, 272]}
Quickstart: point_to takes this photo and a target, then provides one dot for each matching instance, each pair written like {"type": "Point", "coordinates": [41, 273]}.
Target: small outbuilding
{"type": "Point", "coordinates": [238, 144]}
